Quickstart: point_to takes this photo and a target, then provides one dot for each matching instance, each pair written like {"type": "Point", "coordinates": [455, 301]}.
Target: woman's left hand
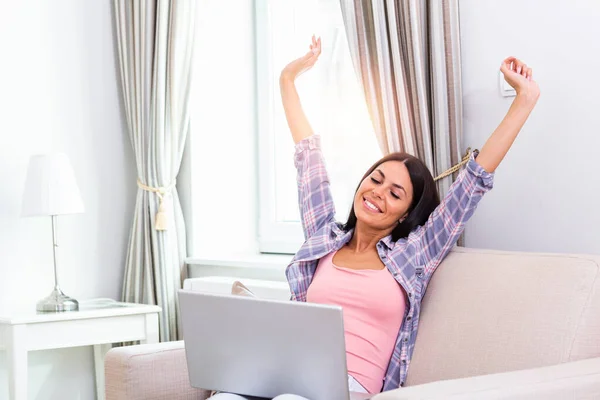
{"type": "Point", "coordinates": [520, 77]}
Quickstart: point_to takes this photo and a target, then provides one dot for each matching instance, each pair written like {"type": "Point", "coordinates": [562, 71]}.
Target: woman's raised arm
{"type": "Point", "coordinates": [296, 119]}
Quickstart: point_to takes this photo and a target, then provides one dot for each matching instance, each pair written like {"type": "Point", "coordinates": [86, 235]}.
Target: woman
{"type": "Point", "coordinates": [378, 264]}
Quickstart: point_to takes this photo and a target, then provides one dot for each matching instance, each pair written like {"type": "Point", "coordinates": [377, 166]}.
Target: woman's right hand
{"type": "Point", "coordinates": [302, 64]}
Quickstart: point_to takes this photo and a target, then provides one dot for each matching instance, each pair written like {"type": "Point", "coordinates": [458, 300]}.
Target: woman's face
{"type": "Point", "coordinates": [384, 197]}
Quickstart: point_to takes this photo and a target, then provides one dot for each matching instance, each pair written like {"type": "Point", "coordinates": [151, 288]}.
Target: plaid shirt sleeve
{"type": "Point", "coordinates": [314, 195]}
{"type": "Point", "coordinates": [445, 225]}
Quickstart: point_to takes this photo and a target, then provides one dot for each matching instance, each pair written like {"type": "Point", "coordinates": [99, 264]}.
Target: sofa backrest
{"type": "Point", "coordinates": [274, 290]}
{"type": "Point", "coordinates": [491, 311]}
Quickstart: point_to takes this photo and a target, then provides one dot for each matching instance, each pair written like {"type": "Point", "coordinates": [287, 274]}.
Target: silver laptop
{"type": "Point", "coordinates": [265, 348]}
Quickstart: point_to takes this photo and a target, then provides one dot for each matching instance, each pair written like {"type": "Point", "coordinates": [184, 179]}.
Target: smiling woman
{"type": "Point", "coordinates": [397, 225]}
{"type": "Point", "coordinates": [399, 188]}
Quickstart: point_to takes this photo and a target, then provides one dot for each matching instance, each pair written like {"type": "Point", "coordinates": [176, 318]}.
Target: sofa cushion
{"type": "Point", "coordinates": [489, 311]}
{"type": "Point", "coordinates": [574, 380]}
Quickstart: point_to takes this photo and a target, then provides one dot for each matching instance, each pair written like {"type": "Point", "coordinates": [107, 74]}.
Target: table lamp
{"type": "Point", "coordinates": [51, 190]}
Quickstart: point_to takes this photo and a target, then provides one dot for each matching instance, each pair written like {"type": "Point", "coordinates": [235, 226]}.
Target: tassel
{"type": "Point", "coordinates": [161, 221]}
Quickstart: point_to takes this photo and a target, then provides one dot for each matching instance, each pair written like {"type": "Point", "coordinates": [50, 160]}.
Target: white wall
{"type": "Point", "coordinates": [60, 91]}
{"type": "Point", "coordinates": [546, 190]}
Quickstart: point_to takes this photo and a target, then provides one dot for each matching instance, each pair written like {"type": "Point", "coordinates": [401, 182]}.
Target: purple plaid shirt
{"type": "Point", "coordinates": [412, 261]}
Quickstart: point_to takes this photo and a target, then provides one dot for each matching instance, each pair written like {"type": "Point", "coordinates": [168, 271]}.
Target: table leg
{"type": "Point", "coordinates": [16, 352]}
{"type": "Point", "coordinates": [151, 329]}
{"type": "Point", "coordinates": [100, 351]}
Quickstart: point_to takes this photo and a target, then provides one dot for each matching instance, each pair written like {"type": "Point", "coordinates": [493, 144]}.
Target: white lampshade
{"type": "Point", "coordinates": [50, 187]}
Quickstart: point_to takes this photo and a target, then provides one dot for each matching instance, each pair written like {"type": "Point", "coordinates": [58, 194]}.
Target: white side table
{"type": "Point", "coordinates": [99, 323]}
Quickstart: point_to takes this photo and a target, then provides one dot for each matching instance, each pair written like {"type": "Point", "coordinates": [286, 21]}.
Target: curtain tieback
{"type": "Point", "coordinates": [161, 220]}
{"type": "Point", "coordinates": [455, 168]}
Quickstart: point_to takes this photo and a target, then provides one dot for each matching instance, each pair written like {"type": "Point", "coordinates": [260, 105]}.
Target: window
{"type": "Point", "coordinates": [333, 101]}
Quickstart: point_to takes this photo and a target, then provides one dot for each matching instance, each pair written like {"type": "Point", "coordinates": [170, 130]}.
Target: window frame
{"type": "Point", "coordinates": [273, 236]}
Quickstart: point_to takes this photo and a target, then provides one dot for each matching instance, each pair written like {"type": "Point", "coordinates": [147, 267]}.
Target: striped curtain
{"type": "Point", "coordinates": [407, 56]}
{"type": "Point", "coordinates": [155, 39]}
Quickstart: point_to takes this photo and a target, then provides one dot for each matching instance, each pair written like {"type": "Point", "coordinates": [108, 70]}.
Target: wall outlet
{"type": "Point", "coordinates": [505, 89]}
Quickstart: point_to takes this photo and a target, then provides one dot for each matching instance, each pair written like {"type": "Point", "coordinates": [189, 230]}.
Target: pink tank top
{"type": "Point", "coordinates": [373, 306]}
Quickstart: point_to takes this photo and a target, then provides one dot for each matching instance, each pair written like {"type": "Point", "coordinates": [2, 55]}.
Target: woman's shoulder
{"type": "Point", "coordinates": [323, 241]}
{"type": "Point", "coordinates": [408, 248]}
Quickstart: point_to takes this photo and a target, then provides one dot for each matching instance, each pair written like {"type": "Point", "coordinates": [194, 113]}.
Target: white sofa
{"type": "Point", "coordinates": [494, 325]}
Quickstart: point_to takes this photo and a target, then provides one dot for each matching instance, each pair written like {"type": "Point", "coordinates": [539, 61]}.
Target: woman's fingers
{"type": "Point", "coordinates": [519, 75]}
{"type": "Point", "coordinates": [316, 46]}
{"type": "Point", "coordinates": [515, 65]}
{"type": "Point", "coordinates": [509, 62]}
{"type": "Point", "coordinates": [310, 58]}
{"type": "Point", "coordinates": [303, 63]}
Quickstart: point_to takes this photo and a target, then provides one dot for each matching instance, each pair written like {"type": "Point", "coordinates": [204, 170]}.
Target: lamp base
{"type": "Point", "coordinates": [57, 302]}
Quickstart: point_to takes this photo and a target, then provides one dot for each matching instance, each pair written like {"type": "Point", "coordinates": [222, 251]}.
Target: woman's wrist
{"type": "Point", "coordinates": [527, 98]}
{"type": "Point", "coordinates": [286, 79]}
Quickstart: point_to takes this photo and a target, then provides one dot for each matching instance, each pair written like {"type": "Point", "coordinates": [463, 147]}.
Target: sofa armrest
{"type": "Point", "coordinates": [149, 371]}
{"type": "Point", "coordinates": [572, 380]}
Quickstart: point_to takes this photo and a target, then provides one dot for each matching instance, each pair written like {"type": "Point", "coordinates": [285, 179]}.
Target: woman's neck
{"type": "Point", "coordinates": [365, 238]}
